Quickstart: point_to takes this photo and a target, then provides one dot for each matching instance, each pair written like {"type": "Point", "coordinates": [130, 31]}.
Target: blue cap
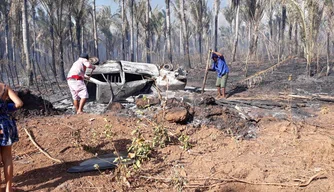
{"type": "Point", "coordinates": [214, 55]}
{"type": "Point", "coordinates": [84, 55]}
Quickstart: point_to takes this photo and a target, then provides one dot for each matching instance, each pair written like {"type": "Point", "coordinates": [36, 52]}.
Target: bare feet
{"type": "Point", "coordinates": [218, 97]}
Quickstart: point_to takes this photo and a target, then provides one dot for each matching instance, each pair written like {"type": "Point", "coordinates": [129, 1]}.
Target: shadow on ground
{"type": "Point", "coordinates": [49, 177]}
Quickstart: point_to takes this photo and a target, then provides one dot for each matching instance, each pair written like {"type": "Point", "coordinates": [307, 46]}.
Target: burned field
{"type": "Point", "coordinates": [274, 136]}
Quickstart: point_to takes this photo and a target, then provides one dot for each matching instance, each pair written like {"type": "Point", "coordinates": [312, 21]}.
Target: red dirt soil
{"type": "Point", "coordinates": [284, 154]}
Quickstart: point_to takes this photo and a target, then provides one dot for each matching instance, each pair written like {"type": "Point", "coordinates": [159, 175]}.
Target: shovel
{"type": "Point", "coordinates": [91, 73]}
{"type": "Point", "coordinates": [206, 70]}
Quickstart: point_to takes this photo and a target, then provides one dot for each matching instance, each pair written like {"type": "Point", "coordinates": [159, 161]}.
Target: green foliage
{"type": "Point", "coordinates": [161, 137]}
{"type": "Point", "coordinates": [140, 149]}
{"type": "Point", "coordinates": [77, 138]}
{"type": "Point", "coordinates": [94, 135]}
{"type": "Point", "coordinates": [145, 98]}
{"type": "Point", "coordinates": [122, 172]}
{"type": "Point", "coordinates": [107, 131]}
{"type": "Point", "coordinates": [185, 143]}
{"type": "Point", "coordinates": [139, 112]}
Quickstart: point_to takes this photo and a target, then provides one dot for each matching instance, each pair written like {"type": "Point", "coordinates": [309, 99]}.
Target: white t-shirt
{"type": "Point", "coordinates": [79, 68]}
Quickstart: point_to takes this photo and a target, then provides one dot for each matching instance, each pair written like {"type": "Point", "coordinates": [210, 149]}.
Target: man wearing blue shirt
{"type": "Point", "coordinates": [219, 65]}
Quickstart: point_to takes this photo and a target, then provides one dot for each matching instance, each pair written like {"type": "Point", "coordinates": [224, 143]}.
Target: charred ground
{"type": "Point", "coordinates": [269, 142]}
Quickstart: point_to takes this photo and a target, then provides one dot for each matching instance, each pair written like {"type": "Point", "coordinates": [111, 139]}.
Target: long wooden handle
{"type": "Point", "coordinates": [206, 71]}
{"type": "Point", "coordinates": [39, 148]}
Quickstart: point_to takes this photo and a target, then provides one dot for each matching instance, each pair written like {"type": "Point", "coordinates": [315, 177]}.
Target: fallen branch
{"type": "Point", "coordinates": [63, 150]}
{"type": "Point", "coordinates": [314, 97]}
{"type": "Point", "coordinates": [257, 77]}
{"type": "Point", "coordinates": [314, 177]}
{"type": "Point", "coordinates": [219, 181]}
{"type": "Point", "coordinates": [264, 104]}
{"type": "Point", "coordinates": [39, 148]}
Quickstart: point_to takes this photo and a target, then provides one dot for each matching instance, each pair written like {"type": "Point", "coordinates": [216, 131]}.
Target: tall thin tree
{"type": "Point", "coordinates": [168, 32]}
{"type": "Point", "coordinates": [123, 29]}
{"type": "Point", "coordinates": [216, 9]}
{"type": "Point", "coordinates": [236, 6]}
{"type": "Point", "coordinates": [78, 13]}
{"type": "Point", "coordinates": [197, 12]}
{"type": "Point", "coordinates": [148, 31]}
{"type": "Point", "coordinates": [96, 45]}
{"type": "Point", "coordinates": [5, 7]}
{"type": "Point", "coordinates": [281, 35]}
{"type": "Point", "coordinates": [26, 45]}
{"type": "Point", "coordinates": [185, 34]}
{"type": "Point", "coordinates": [132, 39]}
{"type": "Point", "coordinates": [311, 13]}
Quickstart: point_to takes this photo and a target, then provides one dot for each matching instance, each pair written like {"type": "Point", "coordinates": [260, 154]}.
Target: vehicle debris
{"type": "Point", "coordinates": [117, 80]}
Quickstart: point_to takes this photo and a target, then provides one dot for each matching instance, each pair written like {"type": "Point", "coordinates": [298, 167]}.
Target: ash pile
{"type": "Point", "coordinates": [197, 113]}
{"type": "Point", "coordinates": [228, 119]}
{"type": "Point", "coordinates": [34, 105]}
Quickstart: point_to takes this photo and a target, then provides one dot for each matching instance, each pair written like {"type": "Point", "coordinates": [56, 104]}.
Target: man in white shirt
{"type": "Point", "coordinates": [75, 80]}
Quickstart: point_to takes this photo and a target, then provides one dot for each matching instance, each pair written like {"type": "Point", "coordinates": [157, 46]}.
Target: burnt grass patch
{"type": "Point", "coordinates": [34, 105]}
{"type": "Point", "coordinates": [209, 113]}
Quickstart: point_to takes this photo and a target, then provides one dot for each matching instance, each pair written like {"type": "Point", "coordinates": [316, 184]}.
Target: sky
{"type": "Point", "coordinates": [154, 3]}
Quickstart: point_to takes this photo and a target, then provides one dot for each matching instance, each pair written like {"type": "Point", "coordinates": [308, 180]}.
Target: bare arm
{"type": "Point", "coordinates": [217, 53]}
{"type": "Point", "coordinates": [17, 101]}
{"type": "Point", "coordinates": [88, 77]}
{"type": "Point", "coordinates": [89, 65]}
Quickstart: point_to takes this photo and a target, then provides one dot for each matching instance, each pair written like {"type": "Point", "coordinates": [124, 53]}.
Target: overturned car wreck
{"type": "Point", "coordinates": [117, 80]}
